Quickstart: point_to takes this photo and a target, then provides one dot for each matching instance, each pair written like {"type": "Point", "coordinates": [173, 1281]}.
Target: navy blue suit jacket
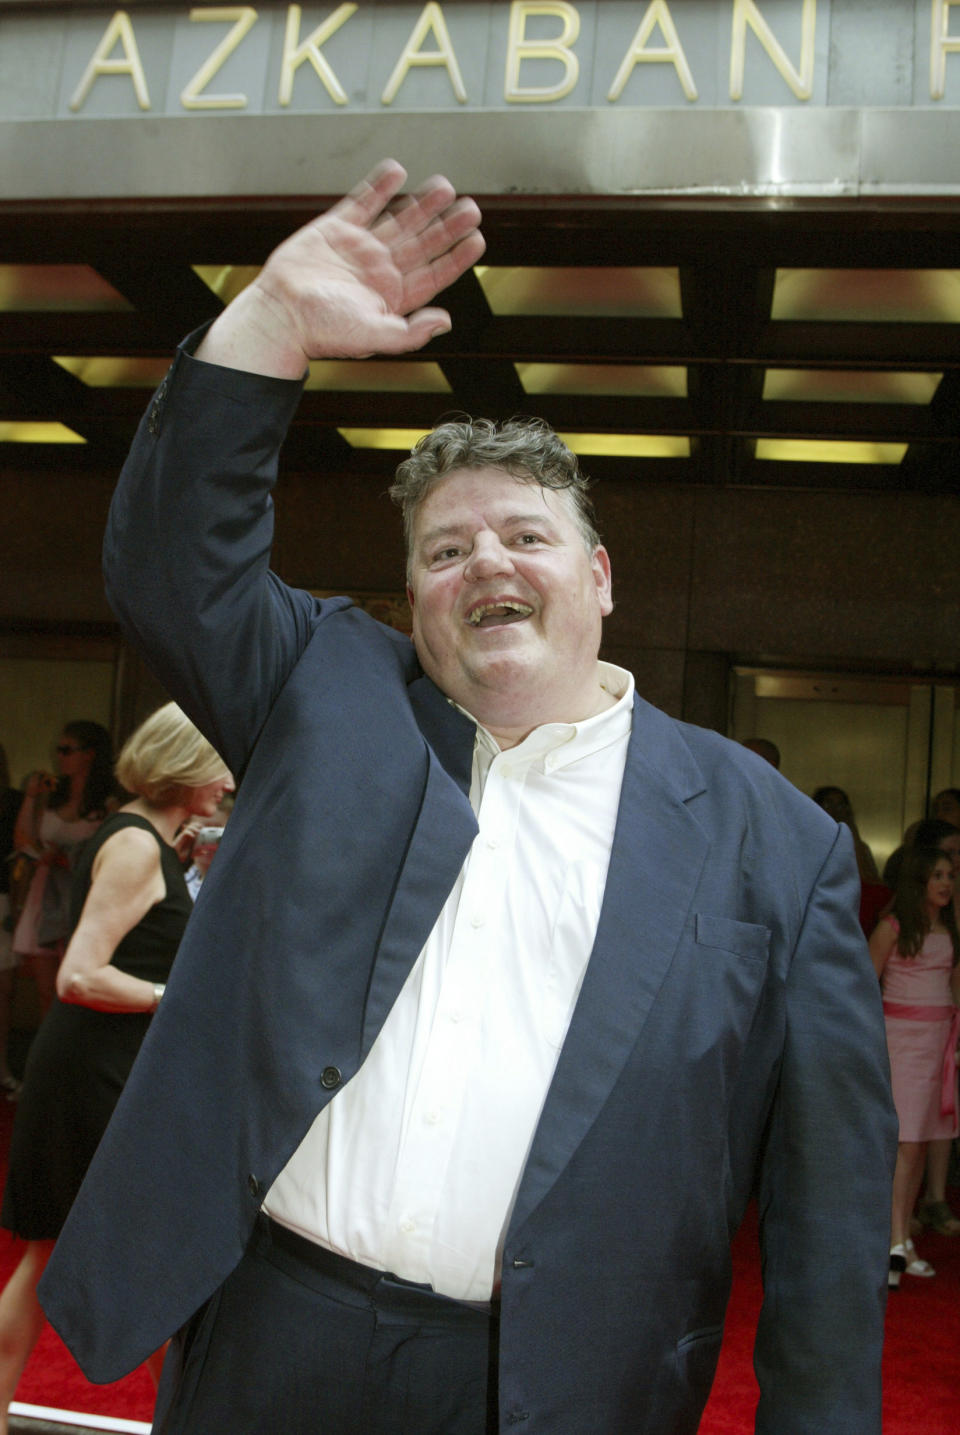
{"type": "Point", "coordinates": [728, 1037]}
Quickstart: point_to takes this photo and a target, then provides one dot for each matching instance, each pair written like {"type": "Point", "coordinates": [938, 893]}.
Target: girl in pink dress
{"type": "Point", "coordinates": [915, 950]}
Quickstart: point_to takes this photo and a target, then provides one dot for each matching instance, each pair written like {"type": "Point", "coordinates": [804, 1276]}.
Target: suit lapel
{"type": "Point", "coordinates": [447, 730]}
{"type": "Point", "coordinates": [438, 848]}
{"type": "Point", "coordinates": [658, 851]}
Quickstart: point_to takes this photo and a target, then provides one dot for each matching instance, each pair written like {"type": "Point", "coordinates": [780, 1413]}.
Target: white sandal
{"type": "Point", "coordinates": [916, 1265]}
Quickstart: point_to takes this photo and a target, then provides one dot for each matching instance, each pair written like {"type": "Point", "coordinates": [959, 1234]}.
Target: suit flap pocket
{"type": "Point", "coordinates": [746, 939]}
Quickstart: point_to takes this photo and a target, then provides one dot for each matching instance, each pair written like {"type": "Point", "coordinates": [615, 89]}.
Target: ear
{"type": "Point", "coordinates": [603, 577]}
{"type": "Point", "coordinates": [410, 597]}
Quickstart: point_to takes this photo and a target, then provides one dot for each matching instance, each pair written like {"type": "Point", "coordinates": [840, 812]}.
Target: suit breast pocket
{"type": "Point", "coordinates": [743, 939]}
{"type": "Point", "coordinates": [723, 976]}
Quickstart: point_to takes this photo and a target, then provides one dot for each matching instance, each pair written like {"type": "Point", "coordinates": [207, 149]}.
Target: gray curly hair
{"type": "Point", "coordinates": [527, 448]}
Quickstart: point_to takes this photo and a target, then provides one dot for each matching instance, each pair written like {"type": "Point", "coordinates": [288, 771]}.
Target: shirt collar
{"type": "Point", "coordinates": [555, 745]}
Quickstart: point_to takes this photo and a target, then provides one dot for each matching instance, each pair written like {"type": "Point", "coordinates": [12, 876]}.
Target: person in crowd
{"type": "Point", "coordinates": [934, 1210]}
{"type": "Point", "coordinates": [197, 845]}
{"type": "Point", "coordinates": [929, 832]}
{"type": "Point", "coordinates": [129, 909]}
{"type": "Point", "coordinates": [946, 806]}
{"type": "Point", "coordinates": [10, 803]}
{"type": "Point", "coordinates": [835, 801]}
{"type": "Point", "coordinates": [764, 748]}
{"type": "Point", "coordinates": [506, 990]}
{"type": "Point", "coordinates": [915, 950]}
{"type": "Point", "coordinates": [57, 815]}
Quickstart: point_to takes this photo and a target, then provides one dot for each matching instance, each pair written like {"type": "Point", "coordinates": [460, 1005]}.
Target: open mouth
{"type": "Point", "coordinates": [490, 615]}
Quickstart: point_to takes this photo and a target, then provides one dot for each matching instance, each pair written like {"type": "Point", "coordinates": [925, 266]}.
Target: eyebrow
{"type": "Point", "coordinates": [519, 520]}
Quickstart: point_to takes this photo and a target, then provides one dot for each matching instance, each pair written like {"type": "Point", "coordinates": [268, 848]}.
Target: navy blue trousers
{"type": "Point", "coordinates": [301, 1342]}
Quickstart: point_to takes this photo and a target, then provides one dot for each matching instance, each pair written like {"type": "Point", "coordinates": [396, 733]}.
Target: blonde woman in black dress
{"type": "Point", "coordinates": [130, 906]}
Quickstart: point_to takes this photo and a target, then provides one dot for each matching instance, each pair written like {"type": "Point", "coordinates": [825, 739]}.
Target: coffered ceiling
{"type": "Point", "coordinates": [795, 343]}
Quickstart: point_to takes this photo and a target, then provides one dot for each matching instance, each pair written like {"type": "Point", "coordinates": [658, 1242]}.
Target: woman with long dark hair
{"type": "Point", "coordinates": [915, 949]}
{"type": "Point", "coordinates": [57, 815]}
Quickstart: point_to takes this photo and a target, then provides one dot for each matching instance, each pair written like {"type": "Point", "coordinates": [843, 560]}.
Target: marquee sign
{"type": "Point", "coordinates": [364, 56]}
{"type": "Point", "coordinates": [614, 97]}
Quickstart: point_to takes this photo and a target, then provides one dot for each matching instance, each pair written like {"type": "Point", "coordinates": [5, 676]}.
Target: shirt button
{"type": "Point", "coordinates": [477, 919]}
{"type": "Point", "coordinates": [456, 1015]}
{"type": "Point", "coordinates": [492, 844]}
{"type": "Point", "coordinates": [506, 770]}
{"type": "Point", "coordinates": [406, 1225]}
{"type": "Point", "coordinates": [432, 1118]}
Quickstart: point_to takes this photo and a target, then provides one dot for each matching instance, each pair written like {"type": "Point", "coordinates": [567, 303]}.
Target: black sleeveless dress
{"type": "Point", "coordinates": [80, 1058]}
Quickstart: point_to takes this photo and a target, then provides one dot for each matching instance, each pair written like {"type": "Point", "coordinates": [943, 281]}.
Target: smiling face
{"type": "Point", "coordinates": [507, 601]}
{"type": "Point", "coordinates": [204, 801]}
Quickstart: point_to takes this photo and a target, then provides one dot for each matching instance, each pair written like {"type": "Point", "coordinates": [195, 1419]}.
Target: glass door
{"type": "Point", "coordinates": [890, 743]}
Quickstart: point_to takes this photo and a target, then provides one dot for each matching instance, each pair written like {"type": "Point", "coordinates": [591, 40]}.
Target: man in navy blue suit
{"type": "Point", "coordinates": [507, 991]}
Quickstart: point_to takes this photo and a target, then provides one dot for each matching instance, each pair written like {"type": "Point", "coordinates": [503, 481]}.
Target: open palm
{"type": "Point", "coordinates": [355, 281]}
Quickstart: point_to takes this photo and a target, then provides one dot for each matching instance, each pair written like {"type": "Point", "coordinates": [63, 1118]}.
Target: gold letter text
{"type": "Point", "coordinates": [295, 52]}
{"type": "Point", "coordinates": [190, 97]}
{"type": "Point", "coordinates": [431, 20]}
{"type": "Point", "coordinates": [658, 13]}
{"type": "Point", "coordinates": [746, 12]}
{"type": "Point", "coordinates": [519, 48]}
{"type": "Point", "coordinates": [119, 31]}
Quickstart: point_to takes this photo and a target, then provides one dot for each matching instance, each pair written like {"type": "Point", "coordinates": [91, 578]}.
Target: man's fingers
{"type": "Point", "coordinates": [411, 215]}
{"type": "Point", "coordinates": [457, 222]}
{"type": "Point", "coordinates": [439, 272]}
{"type": "Point", "coordinates": [370, 196]}
{"type": "Point", "coordinates": [398, 335]}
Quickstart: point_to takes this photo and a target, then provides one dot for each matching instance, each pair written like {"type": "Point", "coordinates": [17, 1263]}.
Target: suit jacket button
{"type": "Point", "coordinates": [330, 1077]}
{"type": "Point", "coordinates": [253, 1186]}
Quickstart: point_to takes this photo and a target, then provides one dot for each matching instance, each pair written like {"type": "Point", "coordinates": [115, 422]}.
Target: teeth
{"type": "Point", "coordinates": [484, 610]}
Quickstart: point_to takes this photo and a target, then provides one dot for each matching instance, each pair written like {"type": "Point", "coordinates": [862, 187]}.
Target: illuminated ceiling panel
{"type": "Point", "coordinates": [226, 280]}
{"type": "Point", "coordinates": [377, 376]}
{"type": "Point", "coordinates": [382, 438]}
{"type": "Point", "coordinates": [57, 288]}
{"type": "Point", "coordinates": [919, 296]}
{"type": "Point", "coordinates": [647, 293]}
{"type": "Point", "coordinates": [626, 445]}
{"type": "Point", "coordinates": [845, 386]}
{"type": "Point", "coordinates": [114, 373]}
{"type": "Point", "coordinates": [586, 444]}
{"type": "Point", "coordinates": [686, 353]}
{"type": "Point", "coordinates": [616, 380]}
{"type": "Point", "coordinates": [797, 450]}
{"type": "Point", "coordinates": [28, 431]}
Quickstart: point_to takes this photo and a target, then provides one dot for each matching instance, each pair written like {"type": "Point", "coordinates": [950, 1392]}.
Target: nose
{"type": "Point", "coordinates": [488, 557]}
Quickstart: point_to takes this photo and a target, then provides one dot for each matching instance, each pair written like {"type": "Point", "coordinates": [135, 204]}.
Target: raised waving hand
{"type": "Point", "coordinates": [356, 281]}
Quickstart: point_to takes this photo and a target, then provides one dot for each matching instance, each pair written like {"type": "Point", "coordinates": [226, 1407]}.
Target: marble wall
{"type": "Point", "coordinates": [703, 578]}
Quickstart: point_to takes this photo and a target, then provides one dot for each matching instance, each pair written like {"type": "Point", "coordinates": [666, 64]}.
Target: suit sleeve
{"type": "Point", "coordinates": [826, 1178]}
{"type": "Point", "coordinates": [186, 551]}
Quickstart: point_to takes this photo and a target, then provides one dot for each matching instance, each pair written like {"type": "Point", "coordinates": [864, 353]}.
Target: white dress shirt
{"type": "Point", "coordinates": [413, 1166]}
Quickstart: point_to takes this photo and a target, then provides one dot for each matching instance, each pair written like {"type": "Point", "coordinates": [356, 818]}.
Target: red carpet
{"type": "Point", "coordinates": [921, 1360]}
{"type": "Point", "coordinates": [52, 1378]}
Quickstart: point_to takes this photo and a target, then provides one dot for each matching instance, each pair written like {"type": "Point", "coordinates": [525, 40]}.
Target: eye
{"type": "Point", "coordinates": [527, 539]}
{"type": "Point", "coordinates": [445, 555]}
